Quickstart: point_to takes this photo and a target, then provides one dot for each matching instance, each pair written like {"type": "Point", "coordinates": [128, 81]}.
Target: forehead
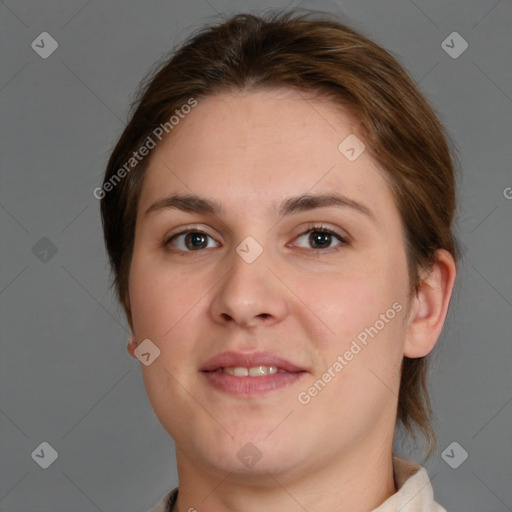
{"type": "Point", "coordinates": [249, 149]}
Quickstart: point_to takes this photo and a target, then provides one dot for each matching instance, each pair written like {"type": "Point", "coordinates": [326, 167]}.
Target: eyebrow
{"type": "Point", "coordinates": [187, 203]}
{"type": "Point", "coordinates": [308, 202]}
{"type": "Point", "coordinates": [291, 205]}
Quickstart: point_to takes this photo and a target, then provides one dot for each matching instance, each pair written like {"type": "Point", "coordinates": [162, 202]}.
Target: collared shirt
{"type": "Point", "coordinates": [414, 493]}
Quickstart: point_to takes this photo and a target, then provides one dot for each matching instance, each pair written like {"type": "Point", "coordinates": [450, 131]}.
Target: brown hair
{"type": "Point", "coordinates": [314, 54]}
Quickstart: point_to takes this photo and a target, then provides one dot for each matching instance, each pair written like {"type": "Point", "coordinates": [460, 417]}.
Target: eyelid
{"type": "Point", "coordinates": [311, 226]}
{"type": "Point", "coordinates": [182, 230]}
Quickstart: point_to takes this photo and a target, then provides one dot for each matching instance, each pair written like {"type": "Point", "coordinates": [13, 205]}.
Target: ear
{"type": "Point", "coordinates": [132, 345]}
{"type": "Point", "coordinates": [429, 306]}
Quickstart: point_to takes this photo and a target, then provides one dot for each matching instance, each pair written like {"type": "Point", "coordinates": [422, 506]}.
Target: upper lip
{"type": "Point", "coordinates": [248, 360]}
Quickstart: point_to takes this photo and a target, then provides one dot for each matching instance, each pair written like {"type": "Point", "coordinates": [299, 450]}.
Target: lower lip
{"type": "Point", "coordinates": [251, 385]}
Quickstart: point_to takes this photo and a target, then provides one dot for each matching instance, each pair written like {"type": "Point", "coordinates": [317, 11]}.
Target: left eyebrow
{"type": "Point", "coordinates": [308, 202]}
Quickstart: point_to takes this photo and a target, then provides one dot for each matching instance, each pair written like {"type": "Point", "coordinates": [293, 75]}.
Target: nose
{"type": "Point", "coordinates": [249, 295]}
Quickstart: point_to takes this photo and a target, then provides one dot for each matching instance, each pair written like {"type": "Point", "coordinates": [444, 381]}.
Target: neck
{"type": "Point", "coordinates": [357, 481]}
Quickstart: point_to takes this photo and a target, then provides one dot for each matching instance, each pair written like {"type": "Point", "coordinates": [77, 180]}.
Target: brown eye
{"type": "Point", "coordinates": [191, 241]}
{"type": "Point", "coordinates": [319, 238]}
{"type": "Point", "coordinates": [196, 241]}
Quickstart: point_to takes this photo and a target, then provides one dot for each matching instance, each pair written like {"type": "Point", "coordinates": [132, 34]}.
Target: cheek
{"type": "Point", "coordinates": [158, 298]}
{"type": "Point", "coordinates": [361, 361]}
{"type": "Point", "coordinates": [163, 311]}
{"type": "Point", "coordinates": [168, 306]}
{"type": "Point", "coordinates": [349, 301]}
{"type": "Point", "coordinates": [143, 301]}
{"type": "Point", "coordinates": [364, 309]}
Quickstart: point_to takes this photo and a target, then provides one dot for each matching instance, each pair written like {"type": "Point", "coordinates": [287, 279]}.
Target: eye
{"type": "Point", "coordinates": [191, 241]}
{"type": "Point", "coordinates": [320, 237]}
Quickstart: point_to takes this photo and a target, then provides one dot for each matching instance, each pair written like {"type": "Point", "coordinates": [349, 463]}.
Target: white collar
{"type": "Point", "coordinates": [414, 492]}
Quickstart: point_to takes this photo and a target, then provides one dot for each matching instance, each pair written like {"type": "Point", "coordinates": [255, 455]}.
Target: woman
{"type": "Point", "coordinates": [278, 216]}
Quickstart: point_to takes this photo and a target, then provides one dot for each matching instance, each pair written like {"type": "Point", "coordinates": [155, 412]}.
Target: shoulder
{"type": "Point", "coordinates": [166, 504]}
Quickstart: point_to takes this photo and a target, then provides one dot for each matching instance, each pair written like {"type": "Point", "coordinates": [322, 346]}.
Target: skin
{"type": "Point", "coordinates": [250, 151]}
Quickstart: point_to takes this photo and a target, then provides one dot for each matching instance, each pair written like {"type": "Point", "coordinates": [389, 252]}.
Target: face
{"type": "Point", "coordinates": [307, 295]}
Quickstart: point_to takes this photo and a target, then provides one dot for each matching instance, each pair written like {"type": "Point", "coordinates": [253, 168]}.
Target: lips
{"type": "Point", "coordinates": [249, 360]}
{"type": "Point", "coordinates": [250, 374]}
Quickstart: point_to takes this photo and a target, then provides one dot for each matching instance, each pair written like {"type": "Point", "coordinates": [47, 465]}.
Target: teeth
{"type": "Point", "coordinates": [255, 371]}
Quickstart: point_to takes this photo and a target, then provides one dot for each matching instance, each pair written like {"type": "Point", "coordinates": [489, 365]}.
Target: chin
{"type": "Point", "coordinates": [255, 455]}
{"type": "Point", "coordinates": [257, 470]}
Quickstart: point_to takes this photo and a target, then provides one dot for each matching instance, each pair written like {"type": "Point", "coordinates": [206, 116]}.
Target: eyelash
{"type": "Point", "coordinates": [318, 228]}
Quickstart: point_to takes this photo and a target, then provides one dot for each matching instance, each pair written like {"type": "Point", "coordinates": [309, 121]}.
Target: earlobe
{"type": "Point", "coordinates": [430, 306]}
{"type": "Point", "coordinates": [132, 345]}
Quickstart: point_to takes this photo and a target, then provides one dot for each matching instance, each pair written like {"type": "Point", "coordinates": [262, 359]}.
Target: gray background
{"type": "Point", "coordinates": [65, 375]}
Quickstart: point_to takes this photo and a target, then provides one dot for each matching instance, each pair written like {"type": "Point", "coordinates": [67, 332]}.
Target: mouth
{"type": "Point", "coordinates": [245, 374]}
{"type": "Point", "coordinates": [254, 371]}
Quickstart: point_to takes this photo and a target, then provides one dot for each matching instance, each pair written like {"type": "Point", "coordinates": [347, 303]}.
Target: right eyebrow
{"type": "Point", "coordinates": [187, 203]}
